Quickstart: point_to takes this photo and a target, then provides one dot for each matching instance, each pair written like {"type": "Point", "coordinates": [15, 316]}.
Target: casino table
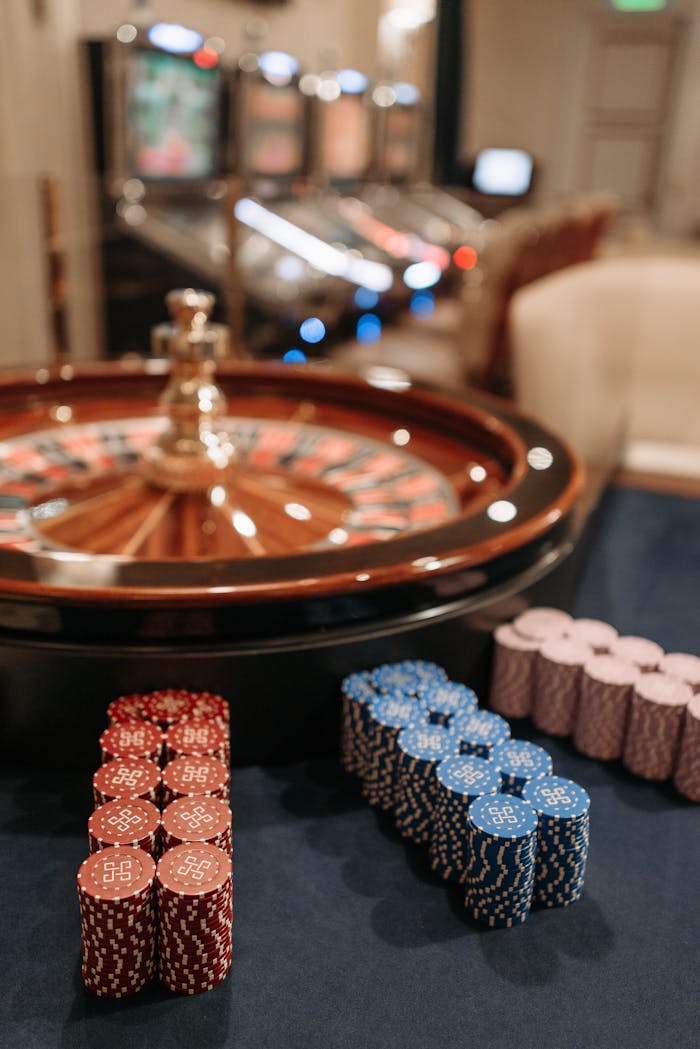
{"type": "Point", "coordinates": [342, 935]}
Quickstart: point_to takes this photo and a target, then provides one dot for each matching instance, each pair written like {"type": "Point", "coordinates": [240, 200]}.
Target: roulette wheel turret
{"type": "Point", "coordinates": [259, 530]}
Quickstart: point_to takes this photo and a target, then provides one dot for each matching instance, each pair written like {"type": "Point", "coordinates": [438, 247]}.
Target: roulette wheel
{"type": "Point", "coordinates": [258, 532]}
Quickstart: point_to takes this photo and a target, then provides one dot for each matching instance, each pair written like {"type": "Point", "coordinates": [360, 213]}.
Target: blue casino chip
{"type": "Point", "coordinates": [558, 798]}
{"type": "Point", "coordinates": [444, 699]}
{"type": "Point", "coordinates": [397, 711]}
{"type": "Point", "coordinates": [520, 761]}
{"type": "Point", "coordinates": [468, 775]}
{"type": "Point", "coordinates": [428, 742]}
{"type": "Point", "coordinates": [502, 816]}
{"type": "Point", "coordinates": [358, 687]}
{"type": "Point", "coordinates": [480, 731]}
{"type": "Point", "coordinates": [406, 676]}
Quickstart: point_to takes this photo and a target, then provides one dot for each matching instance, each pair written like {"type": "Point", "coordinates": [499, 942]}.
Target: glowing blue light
{"type": "Point", "coordinates": [406, 94]}
{"type": "Point", "coordinates": [422, 304]}
{"type": "Point", "coordinates": [351, 81]}
{"type": "Point", "coordinates": [365, 299]}
{"type": "Point", "coordinates": [312, 329]}
{"type": "Point", "coordinates": [369, 328]}
{"type": "Point", "coordinates": [277, 67]}
{"type": "Point", "coordinates": [421, 275]}
{"type": "Point", "coordinates": [177, 39]}
{"type": "Point", "coordinates": [294, 357]}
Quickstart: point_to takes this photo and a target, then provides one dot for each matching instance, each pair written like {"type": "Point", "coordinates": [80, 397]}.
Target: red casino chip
{"type": "Point", "coordinates": [511, 681]}
{"type": "Point", "coordinates": [686, 776]}
{"type": "Point", "coordinates": [125, 708]}
{"type": "Point", "coordinates": [117, 875]}
{"type": "Point", "coordinates": [166, 707]}
{"type": "Point", "coordinates": [127, 778]}
{"type": "Point", "coordinates": [131, 739]}
{"type": "Point", "coordinates": [126, 821]}
{"type": "Point", "coordinates": [193, 871]}
{"type": "Point", "coordinates": [187, 777]}
{"type": "Point", "coordinates": [209, 705]}
{"type": "Point", "coordinates": [656, 719]}
{"type": "Point", "coordinates": [198, 819]}
{"type": "Point", "coordinates": [201, 737]}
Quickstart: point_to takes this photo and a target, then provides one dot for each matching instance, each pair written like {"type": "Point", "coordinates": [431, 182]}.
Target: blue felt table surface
{"type": "Point", "coordinates": [343, 937]}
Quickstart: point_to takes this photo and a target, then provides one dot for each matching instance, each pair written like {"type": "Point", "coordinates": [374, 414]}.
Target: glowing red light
{"type": "Point", "coordinates": [206, 58]}
{"type": "Point", "coordinates": [465, 257]}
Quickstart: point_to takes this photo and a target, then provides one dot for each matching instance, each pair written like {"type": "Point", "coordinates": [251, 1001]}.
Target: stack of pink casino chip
{"type": "Point", "coordinates": [511, 681]}
{"type": "Point", "coordinates": [644, 654]}
{"type": "Point", "coordinates": [686, 776]}
{"type": "Point", "coordinates": [599, 636]}
{"type": "Point", "coordinates": [657, 713]}
{"type": "Point", "coordinates": [539, 624]}
{"type": "Point", "coordinates": [601, 720]}
{"type": "Point", "coordinates": [683, 666]}
{"type": "Point", "coordinates": [556, 684]}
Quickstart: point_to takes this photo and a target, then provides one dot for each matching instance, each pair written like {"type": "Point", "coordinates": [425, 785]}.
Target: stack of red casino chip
{"type": "Point", "coordinates": [192, 776]}
{"type": "Point", "coordinates": [126, 821]}
{"type": "Point", "coordinates": [539, 624]}
{"type": "Point", "coordinates": [556, 685]}
{"type": "Point", "coordinates": [166, 707]}
{"type": "Point", "coordinates": [657, 713]}
{"type": "Point", "coordinates": [201, 737]}
{"type": "Point", "coordinates": [686, 776]}
{"type": "Point", "coordinates": [683, 666]}
{"type": "Point", "coordinates": [599, 636]}
{"type": "Point", "coordinates": [644, 654]}
{"type": "Point", "coordinates": [513, 662]}
{"type": "Point", "coordinates": [126, 778]}
{"type": "Point", "coordinates": [125, 708]}
{"type": "Point", "coordinates": [117, 921]}
{"type": "Point", "coordinates": [209, 705]}
{"type": "Point", "coordinates": [132, 739]}
{"type": "Point", "coordinates": [601, 720]}
{"type": "Point", "coordinates": [195, 904]}
{"type": "Point", "coordinates": [199, 819]}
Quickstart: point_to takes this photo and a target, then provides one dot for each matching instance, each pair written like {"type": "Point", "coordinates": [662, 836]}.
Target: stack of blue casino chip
{"type": "Point", "coordinates": [406, 677]}
{"type": "Point", "coordinates": [502, 833]}
{"type": "Point", "coordinates": [479, 731]}
{"type": "Point", "coordinates": [387, 715]}
{"type": "Point", "coordinates": [446, 699]}
{"type": "Point", "coordinates": [562, 808]}
{"type": "Point", "coordinates": [460, 781]}
{"type": "Point", "coordinates": [419, 752]}
{"type": "Point", "coordinates": [519, 763]}
{"type": "Point", "coordinates": [357, 693]}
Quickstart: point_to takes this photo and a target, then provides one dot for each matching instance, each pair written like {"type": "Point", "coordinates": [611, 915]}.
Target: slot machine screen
{"type": "Point", "coordinates": [172, 117]}
{"type": "Point", "coordinates": [274, 142]}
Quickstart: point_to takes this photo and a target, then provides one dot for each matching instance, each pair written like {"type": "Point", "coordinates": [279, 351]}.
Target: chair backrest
{"type": "Point", "coordinates": [611, 347]}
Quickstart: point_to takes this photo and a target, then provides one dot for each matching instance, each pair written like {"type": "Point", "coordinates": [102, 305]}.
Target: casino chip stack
{"type": "Point", "coordinates": [540, 624]}
{"type": "Point", "coordinates": [209, 705]}
{"type": "Point", "coordinates": [601, 721]}
{"type": "Point", "coordinates": [460, 780]}
{"type": "Point", "coordinates": [406, 677]}
{"type": "Point", "coordinates": [188, 777]}
{"type": "Point", "coordinates": [418, 753]}
{"type": "Point", "coordinates": [195, 903]}
{"type": "Point", "coordinates": [479, 732]}
{"type": "Point", "coordinates": [686, 776]}
{"type": "Point", "coordinates": [202, 820]}
{"type": "Point", "coordinates": [683, 666]}
{"type": "Point", "coordinates": [125, 708]}
{"type": "Point", "coordinates": [642, 653]}
{"type": "Point", "coordinates": [132, 739]}
{"type": "Point", "coordinates": [512, 678]}
{"type": "Point", "coordinates": [562, 808]}
{"type": "Point", "coordinates": [599, 636]}
{"type": "Point", "coordinates": [556, 685]}
{"type": "Point", "coordinates": [357, 693]}
{"type": "Point", "coordinates": [127, 778]}
{"type": "Point", "coordinates": [519, 762]}
{"type": "Point", "coordinates": [201, 737]}
{"type": "Point", "coordinates": [657, 712]}
{"type": "Point", "coordinates": [166, 707]}
{"type": "Point", "coordinates": [117, 921]}
{"type": "Point", "coordinates": [126, 821]}
{"type": "Point", "coordinates": [502, 844]}
{"type": "Point", "coordinates": [387, 717]}
{"type": "Point", "coordinates": [445, 699]}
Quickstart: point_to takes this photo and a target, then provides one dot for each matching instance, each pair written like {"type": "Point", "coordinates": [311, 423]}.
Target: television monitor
{"type": "Point", "coordinates": [503, 172]}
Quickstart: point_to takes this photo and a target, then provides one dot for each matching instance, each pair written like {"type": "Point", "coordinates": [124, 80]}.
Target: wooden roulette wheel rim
{"type": "Point", "coordinates": [515, 517]}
